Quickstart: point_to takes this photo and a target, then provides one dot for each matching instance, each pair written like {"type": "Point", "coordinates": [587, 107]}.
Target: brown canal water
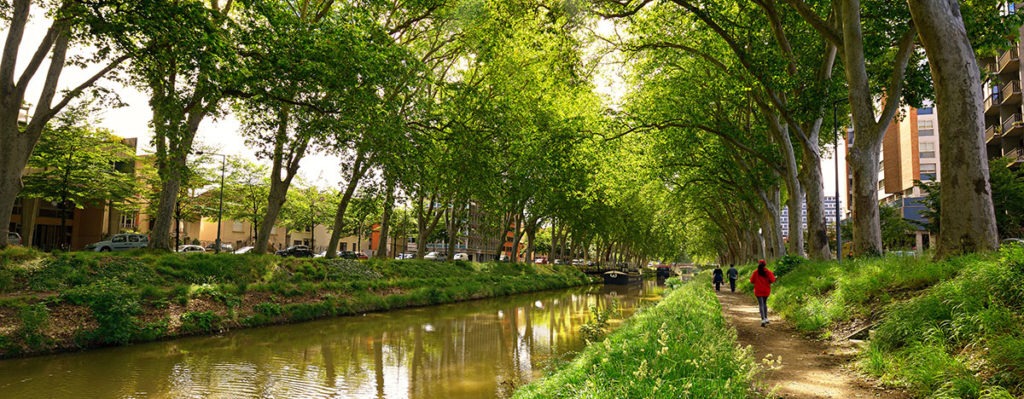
{"type": "Point", "coordinates": [477, 349]}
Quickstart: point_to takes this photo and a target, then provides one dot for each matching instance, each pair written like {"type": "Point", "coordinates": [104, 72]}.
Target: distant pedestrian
{"type": "Point", "coordinates": [733, 274]}
{"type": "Point", "coordinates": [762, 280]}
{"type": "Point", "coordinates": [717, 278]}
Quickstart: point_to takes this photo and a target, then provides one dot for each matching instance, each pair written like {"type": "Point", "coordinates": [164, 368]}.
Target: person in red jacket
{"type": "Point", "coordinates": [762, 280]}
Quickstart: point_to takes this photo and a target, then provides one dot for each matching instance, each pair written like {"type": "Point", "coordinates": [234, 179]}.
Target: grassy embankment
{"type": "Point", "coordinates": [77, 300]}
{"type": "Point", "coordinates": [682, 347]}
{"type": "Point", "coordinates": [949, 329]}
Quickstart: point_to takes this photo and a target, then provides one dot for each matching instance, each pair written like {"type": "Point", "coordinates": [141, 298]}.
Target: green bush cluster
{"type": "Point", "coordinates": [114, 305]}
{"type": "Point", "coordinates": [680, 348]}
{"type": "Point", "coordinates": [933, 343]}
{"type": "Point", "coordinates": [815, 295]}
{"type": "Point", "coordinates": [947, 329]}
{"type": "Point", "coordinates": [200, 322]}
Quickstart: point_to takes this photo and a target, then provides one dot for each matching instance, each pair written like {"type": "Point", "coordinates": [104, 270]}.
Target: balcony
{"type": "Point", "coordinates": [1013, 126]}
{"type": "Point", "coordinates": [991, 134]}
{"type": "Point", "coordinates": [1009, 61]}
{"type": "Point", "coordinates": [990, 104]}
{"type": "Point", "coordinates": [1016, 157]}
{"type": "Point", "coordinates": [1011, 92]}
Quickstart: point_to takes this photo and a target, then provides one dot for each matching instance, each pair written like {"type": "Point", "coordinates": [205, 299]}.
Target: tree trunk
{"type": "Point", "coordinates": [13, 158]}
{"type": "Point", "coordinates": [278, 184]}
{"type": "Point", "coordinates": [346, 198]}
{"type": "Point", "coordinates": [867, 233]}
{"type": "Point", "coordinates": [817, 243]}
{"type": "Point", "coordinates": [385, 222]}
{"type": "Point", "coordinates": [967, 215]}
{"type": "Point", "coordinates": [517, 237]}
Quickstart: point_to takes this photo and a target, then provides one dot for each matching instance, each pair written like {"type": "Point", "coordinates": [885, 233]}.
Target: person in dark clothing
{"type": "Point", "coordinates": [732, 274]}
{"type": "Point", "coordinates": [762, 280]}
{"type": "Point", "coordinates": [717, 278]}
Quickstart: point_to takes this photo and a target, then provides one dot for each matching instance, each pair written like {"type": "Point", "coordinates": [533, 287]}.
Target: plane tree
{"type": "Point", "coordinates": [70, 24]}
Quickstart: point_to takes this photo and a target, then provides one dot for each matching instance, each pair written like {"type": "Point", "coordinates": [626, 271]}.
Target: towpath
{"type": "Point", "coordinates": [794, 366]}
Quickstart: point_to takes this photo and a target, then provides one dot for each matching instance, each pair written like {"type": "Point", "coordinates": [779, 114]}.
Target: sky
{"type": "Point", "coordinates": [322, 170]}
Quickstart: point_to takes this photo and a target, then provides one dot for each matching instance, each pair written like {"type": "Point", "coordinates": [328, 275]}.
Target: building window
{"type": "Point", "coordinates": [927, 150]}
{"type": "Point", "coordinates": [128, 220]}
{"type": "Point", "coordinates": [926, 124]}
{"type": "Point", "coordinates": [927, 172]}
{"type": "Point", "coordinates": [926, 132]}
{"type": "Point", "coordinates": [925, 111]}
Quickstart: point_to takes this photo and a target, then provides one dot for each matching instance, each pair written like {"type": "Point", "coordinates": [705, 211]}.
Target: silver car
{"type": "Point", "coordinates": [120, 242]}
{"type": "Point", "coordinates": [13, 238]}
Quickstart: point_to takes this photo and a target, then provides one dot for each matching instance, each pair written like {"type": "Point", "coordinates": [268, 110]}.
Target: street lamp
{"type": "Point", "coordinates": [835, 131]}
{"type": "Point", "coordinates": [220, 208]}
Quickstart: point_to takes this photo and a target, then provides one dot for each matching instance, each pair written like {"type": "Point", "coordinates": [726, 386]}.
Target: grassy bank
{"type": "Point", "coordinates": [682, 347]}
{"type": "Point", "coordinates": [949, 329]}
{"type": "Point", "coordinates": [78, 300]}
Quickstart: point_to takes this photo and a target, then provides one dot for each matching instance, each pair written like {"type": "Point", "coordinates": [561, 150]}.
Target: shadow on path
{"type": "Point", "coordinates": [794, 366]}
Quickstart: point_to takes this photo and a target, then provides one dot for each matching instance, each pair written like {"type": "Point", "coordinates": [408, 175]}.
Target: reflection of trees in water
{"type": "Point", "coordinates": [473, 349]}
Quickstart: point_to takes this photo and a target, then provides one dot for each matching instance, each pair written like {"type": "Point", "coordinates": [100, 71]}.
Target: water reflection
{"type": "Point", "coordinates": [468, 350]}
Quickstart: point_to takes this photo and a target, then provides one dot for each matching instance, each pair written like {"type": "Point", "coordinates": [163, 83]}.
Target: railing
{"type": "Point", "coordinates": [1010, 89]}
{"type": "Point", "coordinates": [991, 132]}
{"type": "Point", "coordinates": [1007, 57]}
{"type": "Point", "coordinates": [991, 101]}
{"type": "Point", "coordinates": [1015, 155]}
{"type": "Point", "coordinates": [1013, 121]}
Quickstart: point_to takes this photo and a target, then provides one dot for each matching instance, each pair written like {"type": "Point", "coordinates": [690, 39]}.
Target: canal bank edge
{"type": "Point", "coordinates": [681, 347]}
{"type": "Point", "coordinates": [72, 301]}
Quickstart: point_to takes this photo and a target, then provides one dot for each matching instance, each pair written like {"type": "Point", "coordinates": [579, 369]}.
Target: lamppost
{"type": "Point", "coordinates": [220, 208]}
{"type": "Point", "coordinates": [835, 131]}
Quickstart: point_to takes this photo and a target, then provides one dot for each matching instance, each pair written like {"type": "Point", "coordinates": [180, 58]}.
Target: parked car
{"type": "Point", "coordinates": [559, 261]}
{"type": "Point", "coordinates": [224, 247]}
{"type": "Point", "coordinates": [347, 255]}
{"type": "Point", "coordinates": [405, 256]}
{"type": "Point", "coordinates": [360, 255]}
{"type": "Point", "coordinates": [190, 248]}
{"type": "Point", "coordinates": [1013, 241]}
{"type": "Point", "coordinates": [120, 242]}
{"type": "Point", "coordinates": [298, 251]}
{"type": "Point", "coordinates": [461, 256]}
{"type": "Point", "coordinates": [13, 238]}
{"type": "Point", "coordinates": [243, 250]}
{"type": "Point", "coordinates": [541, 260]}
{"type": "Point", "coordinates": [435, 256]}
{"type": "Point", "coordinates": [321, 254]}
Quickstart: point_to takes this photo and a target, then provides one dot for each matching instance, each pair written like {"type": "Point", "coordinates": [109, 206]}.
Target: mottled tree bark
{"type": "Point", "coordinates": [967, 215]}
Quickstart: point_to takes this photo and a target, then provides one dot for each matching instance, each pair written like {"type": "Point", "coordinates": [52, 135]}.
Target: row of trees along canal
{"type": "Point", "coordinates": [443, 103]}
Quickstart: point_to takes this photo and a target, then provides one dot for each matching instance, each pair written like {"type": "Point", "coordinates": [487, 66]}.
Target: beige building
{"type": "Point", "coordinates": [242, 234]}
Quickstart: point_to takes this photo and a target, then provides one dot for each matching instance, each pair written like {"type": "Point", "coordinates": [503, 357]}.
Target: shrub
{"type": "Point", "coordinates": [786, 264]}
{"type": "Point", "coordinates": [114, 306]}
{"type": "Point", "coordinates": [269, 309]}
{"type": "Point", "coordinates": [200, 322]}
{"type": "Point", "coordinates": [34, 319]}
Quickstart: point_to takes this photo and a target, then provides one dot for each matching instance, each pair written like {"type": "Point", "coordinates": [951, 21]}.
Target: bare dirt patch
{"type": "Point", "coordinates": [792, 365]}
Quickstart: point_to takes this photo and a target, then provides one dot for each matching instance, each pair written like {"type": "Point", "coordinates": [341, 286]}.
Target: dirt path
{"type": "Point", "coordinates": [793, 366]}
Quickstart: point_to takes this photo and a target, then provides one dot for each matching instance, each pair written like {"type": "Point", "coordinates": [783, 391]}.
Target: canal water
{"type": "Point", "coordinates": [477, 349]}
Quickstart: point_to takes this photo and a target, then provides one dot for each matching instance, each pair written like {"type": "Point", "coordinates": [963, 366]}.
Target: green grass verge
{"type": "Point", "coordinates": [948, 329]}
{"type": "Point", "coordinates": [681, 347]}
{"type": "Point", "coordinates": [119, 291]}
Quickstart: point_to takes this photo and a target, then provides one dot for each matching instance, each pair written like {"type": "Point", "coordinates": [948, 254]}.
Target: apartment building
{"type": "Point", "coordinates": [910, 151]}
{"type": "Point", "coordinates": [1004, 126]}
{"type": "Point", "coordinates": [830, 215]}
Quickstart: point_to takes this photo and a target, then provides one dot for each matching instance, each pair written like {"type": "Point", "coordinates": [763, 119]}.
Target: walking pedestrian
{"type": "Point", "coordinates": [762, 280]}
{"type": "Point", "coordinates": [717, 278]}
{"type": "Point", "coordinates": [733, 274]}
